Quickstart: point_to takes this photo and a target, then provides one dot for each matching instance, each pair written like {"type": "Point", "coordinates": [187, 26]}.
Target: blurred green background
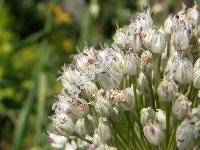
{"type": "Point", "coordinates": [36, 38]}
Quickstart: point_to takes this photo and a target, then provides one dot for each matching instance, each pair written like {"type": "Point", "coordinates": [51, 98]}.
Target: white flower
{"type": "Point", "coordinates": [161, 118]}
{"type": "Point", "coordinates": [153, 133]}
{"type": "Point", "coordinates": [167, 89]}
{"type": "Point", "coordinates": [120, 38]}
{"type": "Point", "coordinates": [181, 107]}
{"type": "Point", "coordinates": [57, 141]}
{"type": "Point", "coordinates": [147, 115]}
{"type": "Point", "coordinates": [63, 124]}
{"type": "Point", "coordinates": [103, 131]}
{"type": "Point", "coordinates": [102, 105]}
{"type": "Point", "coordinates": [131, 63]}
{"type": "Point", "coordinates": [158, 43]}
{"type": "Point", "coordinates": [181, 39]}
{"type": "Point", "coordinates": [186, 135]}
{"type": "Point", "coordinates": [184, 71]}
{"type": "Point", "coordinates": [168, 25]}
{"type": "Point", "coordinates": [80, 127]}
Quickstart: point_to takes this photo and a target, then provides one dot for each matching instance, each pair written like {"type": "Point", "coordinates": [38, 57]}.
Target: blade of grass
{"type": "Point", "coordinates": [26, 110]}
{"type": "Point", "coordinates": [41, 96]}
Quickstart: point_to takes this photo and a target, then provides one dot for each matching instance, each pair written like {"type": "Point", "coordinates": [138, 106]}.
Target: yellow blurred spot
{"type": "Point", "coordinates": [68, 45]}
{"type": "Point", "coordinates": [60, 15]}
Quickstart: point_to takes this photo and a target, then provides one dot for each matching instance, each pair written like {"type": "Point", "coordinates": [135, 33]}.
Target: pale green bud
{"type": "Point", "coordinates": [153, 133]}
{"type": "Point", "coordinates": [147, 115]}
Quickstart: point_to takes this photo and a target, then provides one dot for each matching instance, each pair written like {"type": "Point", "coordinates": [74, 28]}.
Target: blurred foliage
{"type": "Point", "coordinates": [36, 38]}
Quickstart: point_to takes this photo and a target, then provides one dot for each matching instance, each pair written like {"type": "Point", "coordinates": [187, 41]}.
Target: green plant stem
{"type": "Point", "coordinates": [137, 140]}
{"type": "Point", "coordinates": [168, 112]}
{"type": "Point", "coordinates": [118, 132]}
{"type": "Point", "coordinates": [151, 91]}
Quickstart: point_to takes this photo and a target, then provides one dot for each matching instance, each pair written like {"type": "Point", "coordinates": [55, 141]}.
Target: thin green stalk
{"type": "Point", "coordinates": [136, 140]}
{"type": "Point", "coordinates": [119, 133]}
{"type": "Point", "coordinates": [42, 86]}
{"type": "Point", "coordinates": [168, 112]}
{"type": "Point", "coordinates": [151, 92]}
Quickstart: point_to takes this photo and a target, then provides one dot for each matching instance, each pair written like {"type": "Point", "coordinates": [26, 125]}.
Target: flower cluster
{"type": "Point", "coordinates": [142, 90]}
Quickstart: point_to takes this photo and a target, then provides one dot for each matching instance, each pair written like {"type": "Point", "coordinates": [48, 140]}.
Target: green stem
{"type": "Point", "coordinates": [168, 112]}
{"type": "Point", "coordinates": [151, 92]}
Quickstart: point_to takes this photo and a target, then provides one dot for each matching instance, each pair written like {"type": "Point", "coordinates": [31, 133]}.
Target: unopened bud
{"type": "Point", "coordinates": [147, 115]}
{"type": "Point", "coordinates": [184, 71]}
{"type": "Point", "coordinates": [147, 63]}
{"type": "Point", "coordinates": [103, 131]}
{"type": "Point", "coordinates": [80, 127]}
{"type": "Point", "coordinates": [63, 124]}
{"type": "Point", "coordinates": [181, 39]}
{"type": "Point", "coordinates": [167, 89]}
{"type": "Point", "coordinates": [158, 43]}
{"type": "Point", "coordinates": [181, 107]}
{"type": "Point", "coordinates": [103, 106]}
{"type": "Point", "coordinates": [153, 133]}
{"type": "Point", "coordinates": [186, 135]}
{"type": "Point", "coordinates": [131, 63]}
{"type": "Point", "coordinates": [161, 118]}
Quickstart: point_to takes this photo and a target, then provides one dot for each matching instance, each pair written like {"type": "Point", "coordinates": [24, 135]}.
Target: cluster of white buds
{"type": "Point", "coordinates": [135, 91]}
{"type": "Point", "coordinates": [154, 124]}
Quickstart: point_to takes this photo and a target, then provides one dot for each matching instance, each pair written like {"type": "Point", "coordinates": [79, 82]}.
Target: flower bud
{"type": "Point", "coordinates": [167, 89]}
{"type": "Point", "coordinates": [168, 25]}
{"type": "Point", "coordinates": [196, 74]}
{"type": "Point", "coordinates": [121, 38]}
{"type": "Point", "coordinates": [196, 114]}
{"type": "Point", "coordinates": [181, 107]}
{"type": "Point", "coordinates": [124, 98]}
{"type": "Point", "coordinates": [149, 34]}
{"type": "Point", "coordinates": [109, 79]}
{"type": "Point", "coordinates": [103, 106]}
{"type": "Point", "coordinates": [161, 118]}
{"type": "Point", "coordinates": [71, 146]}
{"type": "Point", "coordinates": [147, 63]}
{"type": "Point", "coordinates": [158, 43]}
{"type": "Point", "coordinates": [135, 42]}
{"type": "Point", "coordinates": [103, 131]}
{"type": "Point", "coordinates": [193, 13]}
{"type": "Point", "coordinates": [70, 74]}
{"type": "Point", "coordinates": [196, 79]}
{"type": "Point", "coordinates": [153, 133]}
{"type": "Point", "coordinates": [80, 127]}
{"type": "Point", "coordinates": [197, 65]}
{"type": "Point", "coordinates": [90, 124]}
{"type": "Point", "coordinates": [90, 88]}
{"type": "Point", "coordinates": [181, 39]}
{"type": "Point", "coordinates": [184, 71]}
{"type": "Point", "coordinates": [131, 63]}
{"type": "Point", "coordinates": [56, 141]}
{"type": "Point", "coordinates": [79, 108]}
{"type": "Point", "coordinates": [63, 124]}
{"type": "Point", "coordinates": [144, 20]}
{"type": "Point", "coordinates": [186, 135]}
{"type": "Point", "coordinates": [147, 115]}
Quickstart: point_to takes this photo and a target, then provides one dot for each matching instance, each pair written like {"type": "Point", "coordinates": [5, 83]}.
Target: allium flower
{"type": "Point", "coordinates": [186, 135]}
{"type": "Point", "coordinates": [103, 131]}
{"type": "Point", "coordinates": [158, 43]}
{"type": "Point", "coordinates": [153, 133]}
{"type": "Point", "coordinates": [137, 90]}
{"type": "Point", "coordinates": [167, 90]}
{"type": "Point", "coordinates": [184, 71]}
{"type": "Point", "coordinates": [181, 107]}
{"type": "Point", "coordinates": [147, 115]}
